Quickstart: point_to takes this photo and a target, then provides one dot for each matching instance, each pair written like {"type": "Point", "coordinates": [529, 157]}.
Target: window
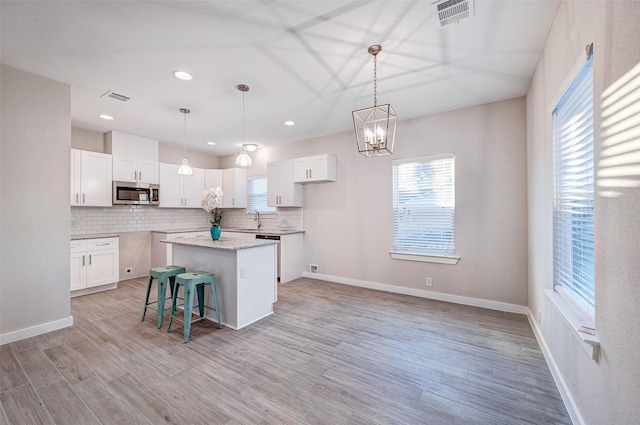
{"type": "Point", "coordinates": [257, 190]}
{"type": "Point", "coordinates": [424, 207]}
{"type": "Point", "coordinates": [573, 248]}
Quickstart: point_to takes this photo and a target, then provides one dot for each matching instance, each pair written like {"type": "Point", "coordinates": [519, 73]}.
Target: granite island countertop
{"type": "Point", "coordinates": [230, 229]}
{"type": "Point", "coordinates": [224, 243]}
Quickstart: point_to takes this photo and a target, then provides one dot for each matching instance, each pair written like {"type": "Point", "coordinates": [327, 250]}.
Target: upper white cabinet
{"type": "Point", "coordinates": [315, 169]}
{"type": "Point", "coordinates": [281, 190]}
{"type": "Point", "coordinates": [91, 176]}
{"type": "Point", "coordinates": [180, 191]}
{"type": "Point", "coordinates": [135, 159]}
{"type": "Point", "coordinates": [212, 179]}
{"type": "Point", "coordinates": [234, 188]}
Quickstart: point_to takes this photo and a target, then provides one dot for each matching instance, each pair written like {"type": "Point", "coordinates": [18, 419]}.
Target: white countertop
{"type": "Point", "coordinates": [224, 243]}
{"type": "Point", "coordinates": [230, 229]}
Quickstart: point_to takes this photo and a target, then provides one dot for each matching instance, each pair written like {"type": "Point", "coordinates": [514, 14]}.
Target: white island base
{"type": "Point", "coordinates": [245, 274]}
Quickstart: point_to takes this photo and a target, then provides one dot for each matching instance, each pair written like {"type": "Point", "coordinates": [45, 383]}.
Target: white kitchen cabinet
{"type": "Point", "coordinates": [281, 190]}
{"type": "Point", "coordinates": [234, 188]}
{"type": "Point", "coordinates": [180, 191]}
{"type": "Point", "coordinates": [212, 179]}
{"type": "Point", "coordinates": [94, 265]}
{"type": "Point", "coordinates": [315, 169]}
{"type": "Point", "coordinates": [135, 158]}
{"type": "Point", "coordinates": [91, 177]}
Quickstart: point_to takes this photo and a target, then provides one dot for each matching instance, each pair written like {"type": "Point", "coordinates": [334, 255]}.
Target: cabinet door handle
{"type": "Point", "coordinates": [77, 196]}
{"type": "Point", "coordinates": [140, 175]}
{"type": "Point", "coordinates": [104, 244]}
{"type": "Point", "coordinates": [135, 175]}
{"type": "Point", "coordinates": [309, 172]}
{"type": "Point", "coordinates": [306, 173]}
{"type": "Point", "coordinates": [83, 201]}
{"type": "Point", "coordinates": [83, 259]}
{"type": "Point", "coordinates": [89, 259]}
{"type": "Point", "coordinates": [233, 201]}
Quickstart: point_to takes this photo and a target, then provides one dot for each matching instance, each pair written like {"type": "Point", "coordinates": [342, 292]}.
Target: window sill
{"type": "Point", "coordinates": [424, 258]}
{"type": "Point", "coordinates": [575, 320]}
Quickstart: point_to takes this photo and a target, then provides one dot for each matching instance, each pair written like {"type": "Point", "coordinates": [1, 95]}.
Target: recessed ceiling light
{"type": "Point", "coordinates": [182, 75]}
{"type": "Point", "coordinates": [251, 147]}
{"type": "Point", "coordinates": [105, 117]}
{"type": "Point", "coordinates": [211, 143]}
{"type": "Point", "coordinates": [289, 123]}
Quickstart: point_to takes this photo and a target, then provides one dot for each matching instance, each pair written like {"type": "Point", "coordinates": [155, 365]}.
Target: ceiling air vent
{"type": "Point", "coordinates": [116, 96]}
{"type": "Point", "coordinates": [451, 12]}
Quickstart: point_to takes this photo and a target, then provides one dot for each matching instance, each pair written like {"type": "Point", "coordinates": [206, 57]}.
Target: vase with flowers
{"type": "Point", "coordinates": [211, 202]}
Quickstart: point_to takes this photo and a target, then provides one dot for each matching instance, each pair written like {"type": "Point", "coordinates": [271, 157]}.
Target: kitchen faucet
{"type": "Point", "coordinates": [257, 218]}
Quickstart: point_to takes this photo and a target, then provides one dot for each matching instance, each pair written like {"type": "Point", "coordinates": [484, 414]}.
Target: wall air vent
{"type": "Point", "coordinates": [451, 12]}
{"type": "Point", "coordinates": [116, 96]}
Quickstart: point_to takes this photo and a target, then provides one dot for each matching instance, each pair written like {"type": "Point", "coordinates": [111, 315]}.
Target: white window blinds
{"type": "Point", "coordinates": [257, 191]}
{"type": "Point", "coordinates": [424, 205]}
{"type": "Point", "coordinates": [573, 253]}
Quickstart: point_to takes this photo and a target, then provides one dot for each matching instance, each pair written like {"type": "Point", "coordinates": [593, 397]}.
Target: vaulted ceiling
{"type": "Point", "coordinates": [304, 61]}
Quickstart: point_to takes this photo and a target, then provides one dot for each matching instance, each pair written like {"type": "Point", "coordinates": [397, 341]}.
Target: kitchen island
{"type": "Point", "coordinates": [245, 273]}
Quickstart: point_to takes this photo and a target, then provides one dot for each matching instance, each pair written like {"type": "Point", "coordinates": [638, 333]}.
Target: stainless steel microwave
{"type": "Point", "coordinates": [128, 193]}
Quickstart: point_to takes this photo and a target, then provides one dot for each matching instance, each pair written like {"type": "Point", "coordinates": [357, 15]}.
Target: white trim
{"type": "Point", "coordinates": [568, 80]}
{"type": "Point", "coordinates": [425, 258]}
{"type": "Point", "coordinates": [567, 398]}
{"type": "Point", "coordinates": [36, 330]}
{"type": "Point", "coordinates": [574, 320]}
{"type": "Point", "coordinates": [439, 296]}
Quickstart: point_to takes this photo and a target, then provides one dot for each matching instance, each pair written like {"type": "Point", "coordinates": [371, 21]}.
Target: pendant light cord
{"type": "Point", "coordinates": [243, 120]}
{"type": "Point", "coordinates": [185, 134]}
{"type": "Point", "coordinates": [375, 80]}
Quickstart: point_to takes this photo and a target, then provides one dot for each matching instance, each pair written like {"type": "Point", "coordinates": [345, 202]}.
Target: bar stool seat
{"type": "Point", "coordinates": [162, 275]}
{"type": "Point", "coordinates": [193, 281]}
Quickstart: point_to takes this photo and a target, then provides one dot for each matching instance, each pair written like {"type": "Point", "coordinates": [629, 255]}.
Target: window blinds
{"type": "Point", "coordinates": [424, 205]}
{"type": "Point", "coordinates": [573, 242]}
{"type": "Point", "coordinates": [257, 191]}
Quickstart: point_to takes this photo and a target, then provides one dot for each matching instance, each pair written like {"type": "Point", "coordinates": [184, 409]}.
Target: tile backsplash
{"type": "Point", "coordinates": [137, 218]}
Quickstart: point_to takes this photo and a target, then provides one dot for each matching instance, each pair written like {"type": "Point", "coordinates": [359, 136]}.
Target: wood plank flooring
{"type": "Point", "coordinates": [332, 354]}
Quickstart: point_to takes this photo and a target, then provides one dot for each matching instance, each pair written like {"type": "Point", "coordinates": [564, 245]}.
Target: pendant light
{"type": "Point", "coordinates": [243, 160]}
{"type": "Point", "coordinates": [184, 168]}
{"type": "Point", "coordinates": [375, 127]}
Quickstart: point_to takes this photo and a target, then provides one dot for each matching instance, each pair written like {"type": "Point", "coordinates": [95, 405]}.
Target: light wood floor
{"type": "Point", "coordinates": [332, 354]}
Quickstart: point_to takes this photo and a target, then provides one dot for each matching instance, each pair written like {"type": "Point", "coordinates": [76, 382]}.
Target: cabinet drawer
{"type": "Point", "coordinates": [78, 246]}
{"type": "Point", "coordinates": [99, 244]}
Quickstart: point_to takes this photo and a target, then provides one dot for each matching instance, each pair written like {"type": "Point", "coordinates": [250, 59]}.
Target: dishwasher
{"type": "Point", "coordinates": [273, 238]}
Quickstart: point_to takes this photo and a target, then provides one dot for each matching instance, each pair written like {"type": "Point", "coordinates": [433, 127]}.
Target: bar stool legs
{"type": "Point", "coordinates": [192, 282]}
{"type": "Point", "coordinates": [162, 274]}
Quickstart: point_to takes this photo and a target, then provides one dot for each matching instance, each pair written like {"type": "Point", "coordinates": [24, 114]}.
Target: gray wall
{"type": "Point", "coordinates": [34, 220]}
{"type": "Point", "coordinates": [356, 236]}
{"type": "Point", "coordinates": [604, 392]}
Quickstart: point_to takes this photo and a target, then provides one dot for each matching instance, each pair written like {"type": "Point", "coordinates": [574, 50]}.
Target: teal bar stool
{"type": "Point", "coordinates": [162, 275]}
{"type": "Point", "coordinates": [192, 281]}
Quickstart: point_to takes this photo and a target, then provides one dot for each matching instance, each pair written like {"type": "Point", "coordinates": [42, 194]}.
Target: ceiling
{"type": "Point", "coordinates": [304, 61]}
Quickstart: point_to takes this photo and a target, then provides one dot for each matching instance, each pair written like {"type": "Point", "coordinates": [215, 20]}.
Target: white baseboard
{"type": "Point", "coordinates": [568, 400]}
{"type": "Point", "coordinates": [439, 296]}
{"type": "Point", "coordinates": [35, 330]}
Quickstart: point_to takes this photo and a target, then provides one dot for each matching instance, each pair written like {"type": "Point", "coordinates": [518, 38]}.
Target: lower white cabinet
{"type": "Point", "coordinates": [94, 265]}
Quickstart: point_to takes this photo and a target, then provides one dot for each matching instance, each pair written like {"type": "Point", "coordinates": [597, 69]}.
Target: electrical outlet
{"type": "Point", "coordinates": [313, 268]}
{"type": "Point", "coordinates": [128, 270]}
{"type": "Point", "coordinates": [429, 282]}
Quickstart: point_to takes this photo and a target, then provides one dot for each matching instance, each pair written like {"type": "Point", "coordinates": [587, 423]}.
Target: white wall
{"type": "Point", "coordinates": [604, 392]}
{"type": "Point", "coordinates": [356, 236]}
{"type": "Point", "coordinates": [34, 220]}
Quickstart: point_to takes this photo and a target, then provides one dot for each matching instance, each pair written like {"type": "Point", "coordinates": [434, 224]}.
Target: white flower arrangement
{"type": "Point", "coordinates": [211, 201]}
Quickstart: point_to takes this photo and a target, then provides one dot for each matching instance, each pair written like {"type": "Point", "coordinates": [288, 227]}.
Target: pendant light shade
{"type": "Point", "coordinates": [243, 159]}
{"type": "Point", "coordinates": [184, 168]}
{"type": "Point", "coordinates": [375, 127]}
